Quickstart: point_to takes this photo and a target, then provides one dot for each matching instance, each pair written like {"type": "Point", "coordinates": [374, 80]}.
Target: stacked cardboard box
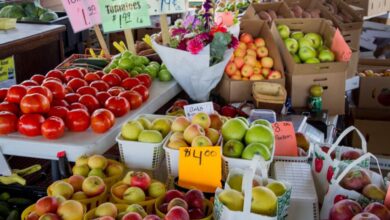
{"type": "Point", "coordinates": [371, 7]}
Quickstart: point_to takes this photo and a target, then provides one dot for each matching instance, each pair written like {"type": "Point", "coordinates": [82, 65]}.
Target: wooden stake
{"type": "Point", "coordinates": [130, 41]}
{"type": "Point", "coordinates": [101, 40]}
{"type": "Point", "coordinates": [164, 29]}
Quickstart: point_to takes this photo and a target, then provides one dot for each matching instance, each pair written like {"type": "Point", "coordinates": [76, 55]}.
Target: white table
{"type": "Point", "coordinates": [87, 142]}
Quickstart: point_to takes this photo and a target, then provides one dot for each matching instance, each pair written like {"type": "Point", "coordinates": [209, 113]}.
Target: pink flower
{"type": "Point", "coordinates": [195, 45]}
{"type": "Point", "coordinates": [183, 44]}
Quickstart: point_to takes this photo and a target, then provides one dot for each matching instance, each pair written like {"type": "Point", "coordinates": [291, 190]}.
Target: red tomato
{"type": "Point", "coordinates": [51, 79]}
{"type": "Point", "coordinates": [56, 74]}
{"type": "Point", "coordinates": [72, 97]}
{"type": "Point", "coordinates": [68, 90]}
{"type": "Point", "coordinates": [56, 88]}
{"type": "Point", "coordinates": [41, 90]}
{"type": "Point", "coordinates": [123, 74]}
{"type": "Point", "coordinates": [73, 73]}
{"type": "Point", "coordinates": [8, 122]}
{"type": "Point", "coordinates": [102, 97]}
{"type": "Point", "coordinates": [143, 91]}
{"type": "Point", "coordinates": [38, 78]}
{"type": "Point", "coordinates": [53, 128]}
{"type": "Point", "coordinates": [29, 83]}
{"type": "Point", "coordinates": [145, 79]}
{"type": "Point", "coordinates": [77, 120]}
{"type": "Point", "coordinates": [102, 120]}
{"type": "Point", "coordinates": [112, 79]}
{"type": "Point", "coordinates": [134, 98]}
{"type": "Point", "coordinates": [59, 111]}
{"type": "Point", "coordinates": [87, 90]}
{"type": "Point", "coordinates": [59, 102]}
{"type": "Point", "coordinates": [129, 83]}
{"type": "Point", "coordinates": [3, 93]}
{"type": "Point", "coordinates": [117, 105]}
{"type": "Point", "coordinates": [16, 93]}
{"type": "Point", "coordinates": [9, 107]}
{"type": "Point", "coordinates": [90, 77]}
{"type": "Point", "coordinates": [100, 85]}
{"type": "Point", "coordinates": [76, 83]}
{"type": "Point", "coordinates": [78, 105]}
{"type": "Point", "coordinates": [30, 124]}
{"type": "Point", "coordinates": [84, 71]}
{"type": "Point", "coordinates": [90, 102]}
{"type": "Point", "coordinates": [114, 91]}
{"type": "Point", "coordinates": [99, 73]}
{"type": "Point", "coordinates": [34, 103]}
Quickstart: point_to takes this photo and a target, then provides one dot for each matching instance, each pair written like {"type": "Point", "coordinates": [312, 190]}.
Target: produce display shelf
{"type": "Point", "coordinates": [87, 142]}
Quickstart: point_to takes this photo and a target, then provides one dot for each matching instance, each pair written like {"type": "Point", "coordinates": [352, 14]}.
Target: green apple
{"type": "Point", "coordinates": [81, 170]}
{"type": "Point", "coordinates": [162, 125]}
{"type": "Point", "coordinates": [145, 60]}
{"type": "Point", "coordinates": [201, 141]}
{"type": "Point", "coordinates": [323, 47]}
{"type": "Point", "coordinates": [156, 189]}
{"type": "Point", "coordinates": [326, 56]}
{"type": "Point", "coordinates": [138, 60]}
{"type": "Point", "coordinates": [150, 136]}
{"type": "Point", "coordinates": [154, 63]}
{"type": "Point", "coordinates": [134, 73]}
{"type": "Point", "coordinates": [202, 119]}
{"type": "Point", "coordinates": [126, 63]}
{"type": "Point", "coordinates": [106, 209]}
{"type": "Point", "coordinates": [235, 182]}
{"type": "Point", "coordinates": [138, 209]}
{"type": "Point", "coordinates": [232, 199]}
{"type": "Point", "coordinates": [264, 201]}
{"type": "Point", "coordinates": [134, 195]}
{"type": "Point", "coordinates": [62, 188]}
{"type": "Point", "coordinates": [234, 129]}
{"type": "Point", "coordinates": [262, 122]}
{"type": "Point", "coordinates": [312, 60]}
{"type": "Point", "coordinates": [306, 53]}
{"type": "Point", "coordinates": [256, 149]}
{"type": "Point", "coordinates": [292, 45]}
{"type": "Point", "coordinates": [126, 54]}
{"type": "Point", "coordinates": [152, 71]}
{"type": "Point", "coordinates": [260, 134]}
{"type": "Point", "coordinates": [297, 35]}
{"type": "Point", "coordinates": [297, 59]}
{"type": "Point", "coordinates": [284, 31]}
{"type": "Point", "coordinates": [316, 91]}
{"type": "Point", "coordinates": [315, 38]}
{"type": "Point", "coordinates": [244, 120]}
{"type": "Point", "coordinates": [97, 172]}
{"type": "Point", "coordinates": [163, 66]}
{"type": "Point", "coordinates": [131, 130]}
{"type": "Point", "coordinates": [277, 187]}
{"type": "Point", "coordinates": [164, 75]}
{"type": "Point", "coordinates": [146, 124]}
{"type": "Point", "coordinates": [303, 42]}
{"type": "Point", "coordinates": [233, 148]}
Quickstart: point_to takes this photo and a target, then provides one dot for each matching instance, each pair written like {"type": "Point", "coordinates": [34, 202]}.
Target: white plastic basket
{"type": "Point", "coordinates": [296, 159]}
{"type": "Point", "coordinates": [139, 155]}
{"type": "Point", "coordinates": [304, 202]}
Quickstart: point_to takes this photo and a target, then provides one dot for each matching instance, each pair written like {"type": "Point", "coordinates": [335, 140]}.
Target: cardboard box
{"type": "Point", "coordinates": [298, 87]}
{"type": "Point", "coordinates": [370, 7]}
{"type": "Point", "coordinates": [280, 8]}
{"type": "Point", "coordinates": [239, 90]}
{"type": "Point", "coordinates": [353, 64]}
{"type": "Point", "coordinates": [375, 126]}
{"type": "Point", "coordinates": [320, 26]}
{"type": "Point", "coordinates": [357, 20]}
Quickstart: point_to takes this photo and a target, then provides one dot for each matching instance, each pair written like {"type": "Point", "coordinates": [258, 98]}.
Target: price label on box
{"type": "Point", "coordinates": [158, 7]}
{"type": "Point", "coordinates": [200, 167]}
{"type": "Point", "coordinates": [285, 140]}
{"type": "Point", "coordinates": [124, 14]}
{"type": "Point", "coordinates": [82, 14]}
{"type": "Point", "coordinates": [191, 110]}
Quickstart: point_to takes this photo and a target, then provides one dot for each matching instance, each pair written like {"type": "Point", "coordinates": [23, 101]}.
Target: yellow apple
{"type": "Point", "coordinates": [71, 210]}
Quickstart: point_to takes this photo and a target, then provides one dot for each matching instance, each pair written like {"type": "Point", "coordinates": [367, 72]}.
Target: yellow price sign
{"type": "Point", "coordinates": [200, 168]}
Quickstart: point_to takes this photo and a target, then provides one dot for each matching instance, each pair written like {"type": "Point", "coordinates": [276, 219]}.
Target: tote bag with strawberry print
{"type": "Point", "coordinates": [326, 158]}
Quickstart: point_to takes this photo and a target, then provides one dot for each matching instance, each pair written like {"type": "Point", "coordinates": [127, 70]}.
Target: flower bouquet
{"type": "Point", "coordinates": [198, 52]}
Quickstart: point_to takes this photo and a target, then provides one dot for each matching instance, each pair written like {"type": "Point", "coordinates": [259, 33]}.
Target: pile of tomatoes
{"type": "Point", "coordinates": [74, 99]}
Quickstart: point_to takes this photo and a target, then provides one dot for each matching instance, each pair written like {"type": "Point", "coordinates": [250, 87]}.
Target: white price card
{"type": "Point", "coordinates": [158, 7]}
{"type": "Point", "coordinates": [191, 110]}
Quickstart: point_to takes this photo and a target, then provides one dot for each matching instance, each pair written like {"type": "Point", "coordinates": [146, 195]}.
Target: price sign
{"type": "Point", "coordinates": [285, 141]}
{"type": "Point", "coordinates": [119, 15]}
{"type": "Point", "coordinates": [83, 14]}
{"type": "Point", "coordinates": [191, 110]}
{"type": "Point", "coordinates": [200, 167]}
{"type": "Point", "coordinates": [340, 47]}
{"type": "Point", "coordinates": [158, 7]}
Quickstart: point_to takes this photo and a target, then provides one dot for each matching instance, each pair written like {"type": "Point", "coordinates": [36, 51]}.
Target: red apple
{"type": "Point", "coordinates": [194, 198]}
{"type": "Point", "coordinates": [129, 83]}
{"type": "Point", "coordinates": [177, 213]}
{"type": "Point", "coordinates": [151, 217]}
{"type": "Point", "coordinates": [76, 181]}
{"type": "Point", "coordinates": [33, 216]}
{"type": "Point", "coordinates": [141, 180]}
{"type": "Point", "coordinates": [365, 216]}
{"type": "Point", "coordinates": [196, 213]}
{"type": "Point", "coordinates": [355, 180]}
{"type": "Point", "coordinates": [47, 204]}
{"type": "Point", "coordinates": [379, 210]}
{"type": "Point", "coordinates": [100, 85]}
{"type": "Point", "coordinates": [350, 155]}
{"type": "Point", "coordinates": [49, 216]}
{"type": "Point", "coordinates": [177, 202]}
{"type": "Point", "coordinates": [132, 216]}
{"type": "Point", "coordinates": [344, 210]}
{"type": "Point", "coordinates": [171, 194]}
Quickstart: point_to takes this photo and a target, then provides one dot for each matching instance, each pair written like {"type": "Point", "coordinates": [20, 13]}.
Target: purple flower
{"type": "Point", "coordinates": [191, 20]}
{"type": "Point", "coordinates": [194, 46]}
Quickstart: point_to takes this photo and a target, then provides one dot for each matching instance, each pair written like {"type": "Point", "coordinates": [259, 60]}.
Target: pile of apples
{"type": "Point", "coordinates": [251, 61]}
{"type": "Point", "coordinates": [74, 99]}
{"type": "Point", "coordinates": [349, 209]}
{"type": "Point", "coordinates": [52, 208]}
{"type": "Point", "coordinates": [177, 205]}
{"type": "Point", "coordinates": [242, 140]}
{"type": "Point", "coordinates": [264, 198]}
{"type": "Point", "coordinates": [138, 187]}
{"type": "Point", "coordinates": [305, 48]}
{"type": "Point", "coordinates": [202, 130]}
{"type": "Point", "coordinates": [77, 187]}
{"type": "Point", "coordinates": [108, 211]}
{"type": "Point", "coordinates": [97, 165]}
{"type": "Point", "coordinates": [143, 130]}
{"type": "Point", "coordinates": [371, 73]}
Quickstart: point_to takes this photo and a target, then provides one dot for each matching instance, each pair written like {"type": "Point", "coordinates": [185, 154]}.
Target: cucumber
{"type": "Point", "coordinates": [19, 201]}
{"type": "Point", "coordinates": [4, 211]}
{"type": "Point", "coordinates": [92, 61]}
{"type": "Point", "coordinates": [4, 196]}
{"type": "Point", "coordinates": [13, 215]}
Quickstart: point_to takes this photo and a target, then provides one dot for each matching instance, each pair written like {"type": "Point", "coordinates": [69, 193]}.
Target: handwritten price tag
{"type": "Point", "coordinates": [119, 15]}
{"type": "Point", "coordinates": [191, 110]}
{"type": "Point", "coordinates": [200, 167]}
{"type": "Point", "coordinates": [158, 7]}
{"type": "Point", "coordinates": [83, 14]}
{"type": "Point", "coordinates": [285, 141]}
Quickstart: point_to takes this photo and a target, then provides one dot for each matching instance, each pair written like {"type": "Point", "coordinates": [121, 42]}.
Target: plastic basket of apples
{"type": "Point", "coordinates": [50, 207]}
{"type": "Point", "coordinates": [202, 130]}
{"type": "Point", "coordinates": [137, 188]}
{"type": "Point", "coordinates": [242, 141]}
{"type": "Point", "coordinates": [177, 205]}
{"type": "Point", "coordinates": [110, 171]}
{"type": "Point", "coordinates": [140, 141]}
{"type": "Point", "coordinates": [90, 191]}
